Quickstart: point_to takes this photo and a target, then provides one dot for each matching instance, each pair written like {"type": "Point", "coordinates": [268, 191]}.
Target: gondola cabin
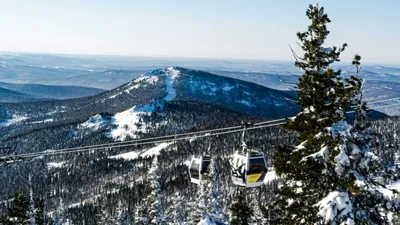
{"type": "Point", "coordinates": [198, 168]}
{"type": "Point", "coordinates": [249, 169]}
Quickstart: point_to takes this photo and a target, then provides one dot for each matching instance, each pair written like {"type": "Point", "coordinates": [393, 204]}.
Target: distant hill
{"type": "Point", "coordinates": [14, 96]}
{"type": "Point", "coordinates": [29, 92]}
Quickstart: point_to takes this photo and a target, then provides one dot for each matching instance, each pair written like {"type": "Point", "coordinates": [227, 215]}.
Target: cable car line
{"type": "Point", "coordinates": [183, 136]}
{"type": "Point", "coordinates": [168, 137]}
{"type": "Point", "coordinates": [65, 151]}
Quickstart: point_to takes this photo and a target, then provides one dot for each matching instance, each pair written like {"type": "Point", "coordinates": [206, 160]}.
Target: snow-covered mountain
{"type": "Point", "coordinates": [150, 103]}
{"type": "Point", "coordinates": [153, 89]}
{"type": "Point", "coordinates": [184, 84]}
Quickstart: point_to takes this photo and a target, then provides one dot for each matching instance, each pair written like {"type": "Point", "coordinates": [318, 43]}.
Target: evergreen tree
{"type": "Point", "coordinates": [120, 214]}
{"type": "Point", "coordinates": [179, 209]}
{"type": "Point", "coordinates": [18, 212]}
{"type": "Point", "coordinates": [240, 211]}
{"type": "Point", "coordinates": [214, 203]}
{"type": "Point", "coordinates": [56, 220]}
{"type": "Point", "coordinates": [40, 216]}
{"type": "Point", "coordinates": [199, 205]}
{"type": "Point", "coordinates": [330, 176]}
{"type": "Point", "coordinates": [32, 211]}
{"type": "Point", "coordinates": [154, 209]}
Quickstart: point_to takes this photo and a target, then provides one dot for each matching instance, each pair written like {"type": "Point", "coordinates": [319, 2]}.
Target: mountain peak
{"type": "Point", "coordinates": [170, 71]}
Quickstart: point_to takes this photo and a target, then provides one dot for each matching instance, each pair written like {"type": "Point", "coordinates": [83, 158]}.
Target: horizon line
{"type": "Point", "coordinates": [371, 63]}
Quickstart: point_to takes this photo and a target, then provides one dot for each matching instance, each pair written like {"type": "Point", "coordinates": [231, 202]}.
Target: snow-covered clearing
{"type": "Point", "coordinates": [55, 164]}
{"type": "Point", "coordinates": [129, 122]}
{"type": "Point", "coordinates": [14, 120]}
{"type": "Point", "coordinates": [146, 153]}
{"type": "Point", "coordinates": [171, 73]}
{"type": "Point", "coordinates": [94, 123]}
{"type": "Point", "coordinates": [43, 121]}
{"type": "Point", "coordinates": [150, 78]}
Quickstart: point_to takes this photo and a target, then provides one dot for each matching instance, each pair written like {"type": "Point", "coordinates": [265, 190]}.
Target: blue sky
{"type": "Point", "coordinates": [257, 29]}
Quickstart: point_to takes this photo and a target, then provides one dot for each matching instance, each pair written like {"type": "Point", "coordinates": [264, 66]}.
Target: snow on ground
{"type": "Point", "coordinates": [155, 150]}
{"type": "Point", "coordinates": [270, 176]}
{"type": "Point", "coordinates": [388, 193]}
{"type": "Point", "coordinates": [227, 87]}
{"type": "Point", "coordinates": [244, 102]}
{"type": "Point", "coordinates": [55, 164]}
{"type": "Point", "coordinates": [171, 73]}
{"type": "Point", "coordinates": [146, 153]}
{"type": "Point", "coordinates": [150, 78]}
{"type": "Point", "coordinates": [14, 120]}
{"type": "Point", "coordinates": [128, 122]}
{"type": "Point", "coordinates": [127, 156]}
{"type": "Point", "coordinates": [43, 121]}
{"type": "Point", "coordinates": [206, 221]}
{"type": "Point", "coordinates": [94, 123]}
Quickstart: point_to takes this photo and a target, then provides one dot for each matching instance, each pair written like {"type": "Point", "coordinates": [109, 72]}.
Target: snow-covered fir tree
{"type": "Point", "coordinates": [154, 209]}
{"type": "Point", "coordinates": [179, 210]}
{"type": "Point", "coordinates": [331, 176]}
{"type": "Point", "coordinates": [120, 215]}
{"type": "Point", "coordinates": [32, 213]}
{"type": "Point", "coordinates": [198, 207]}
{"type": "Point", "coordinates": [214, 205]}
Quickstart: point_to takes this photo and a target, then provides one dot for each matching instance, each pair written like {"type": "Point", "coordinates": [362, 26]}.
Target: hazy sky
{"type": "Point", "coordinates": [246, 29]}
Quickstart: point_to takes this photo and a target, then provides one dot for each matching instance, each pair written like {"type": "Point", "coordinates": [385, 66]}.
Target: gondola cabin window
{"type": "Point", "coordinates": [194, 169]}
{"type": "Point", "coordinates": [257, 165]}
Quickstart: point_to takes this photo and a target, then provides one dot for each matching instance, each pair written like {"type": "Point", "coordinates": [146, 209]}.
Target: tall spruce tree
{"type": "Point", "coordinates": [214, 203]}
{"type": "Point", "coordinates": [18, 212]}
{"type": "Point", "coordinates": [154, 210]}
{"type": "Point", "coordinates": [330, 177]}
{"type": "Point", "coordinates": [240, 211]}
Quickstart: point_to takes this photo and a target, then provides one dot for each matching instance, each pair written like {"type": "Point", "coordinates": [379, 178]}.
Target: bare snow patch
{"type": "Point", "coordinates": [270, 176]}
{"type": "Point", "coordinates": [146, 153]}
{"type": "Point", "coordinates": [129, 122]}
{"type": "Point", "coordinates": [150, 78]}
{"type": "Point", "coordinates": [127, 156]}
{"type": "Point", "coordinates": [94, 123]}
{"type": "Point", "coordinates": [171, 73]}
{"type": "Point", "coordinates": [245, 102]}
{"type": "Point", "coordinates": [155, 150]}
{"type": "Point", "coordinates": [391, 189]}
{"type": "Point", "coordinates": [16, 119]}
{"type": "Point", "coordinates": [55, 164]}
{"type": "Point", "coordinates": [43, 121]}
{"type": "Point", "coordinates": [227, 87]}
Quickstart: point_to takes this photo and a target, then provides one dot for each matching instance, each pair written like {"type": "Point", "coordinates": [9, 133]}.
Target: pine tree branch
{"type": "Point", "coordinates": [285, 81]}
{"type": "Point", "coordinates": [296, 57]}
